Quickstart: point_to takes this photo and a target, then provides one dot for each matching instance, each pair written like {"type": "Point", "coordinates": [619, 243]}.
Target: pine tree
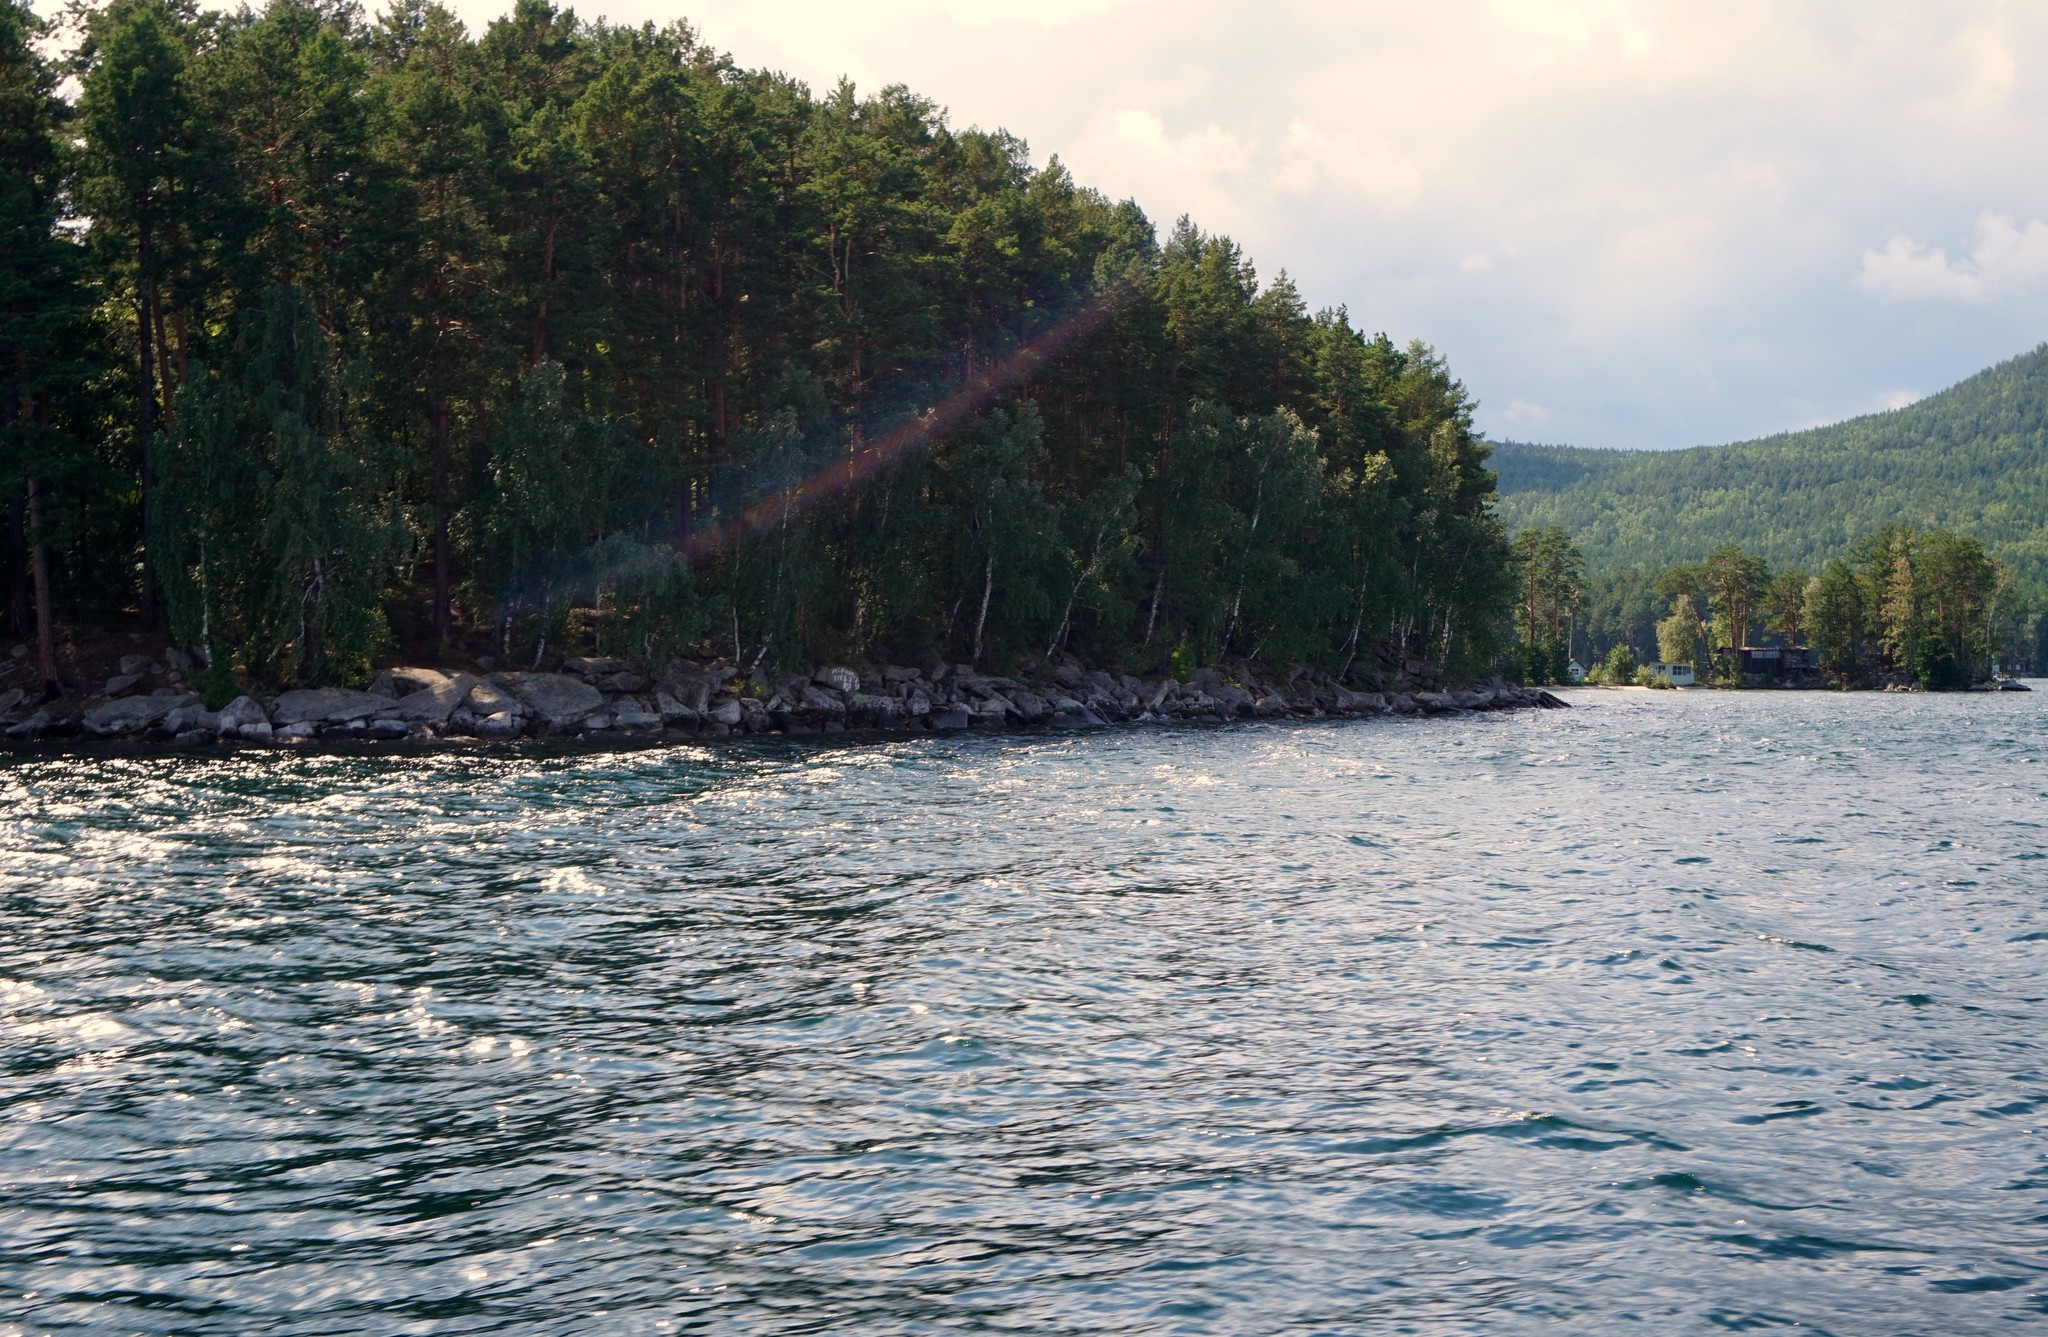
{"type": "Point", "coordinates": [42, 319]}
{"type": "Point", "coordinates": [136, 116]}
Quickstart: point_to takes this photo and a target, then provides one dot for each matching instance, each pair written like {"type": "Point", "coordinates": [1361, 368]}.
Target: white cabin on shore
{"type": "Point", "coordinates": [1678, 675]}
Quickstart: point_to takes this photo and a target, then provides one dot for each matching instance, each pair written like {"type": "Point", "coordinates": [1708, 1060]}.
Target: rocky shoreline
{"type": "Point", "coordinates": [602, 700]}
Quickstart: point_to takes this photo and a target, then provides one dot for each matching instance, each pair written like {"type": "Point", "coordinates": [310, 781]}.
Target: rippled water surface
{"type": "Point", "coordinates": [1674, 1011]}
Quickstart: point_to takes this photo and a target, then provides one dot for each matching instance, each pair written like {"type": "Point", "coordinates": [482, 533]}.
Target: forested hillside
{"type": "Point", "coordinates": [1973, 458]}
{"type": "Point", "coordinates": [324, 335]}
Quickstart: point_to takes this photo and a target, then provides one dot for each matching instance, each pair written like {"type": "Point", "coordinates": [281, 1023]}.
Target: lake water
{"type": "Point", "coordinates": [1674, 1012]}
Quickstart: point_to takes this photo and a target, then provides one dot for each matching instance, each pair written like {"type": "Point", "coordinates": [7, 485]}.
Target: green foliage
{"type": "Point", "coordinates": [1735, 581]}
{"type": "Point", "coordinates": [279, 536]}
{"type": "Point", "coordinates": [1536, 663]}
{"type": "Point", "coordinates": [1973, 458]}
{"type": "Point", "coordinates": [1836, 619]}
{"type": "Point", "coordinates": [1678, 636]}
{"type": "Point", "coordinates": [583, 336]}
{"type": "Point", "coordinates": [1619, 668]}
{"type": "Point", "coordinates": [217, 684]}
{"type": "Point", "coordinates": [1916, 606]}
{"type": "Point", "coordinates": [1551, 573]}
{"type": "Point", "coordinates": [56, 484]}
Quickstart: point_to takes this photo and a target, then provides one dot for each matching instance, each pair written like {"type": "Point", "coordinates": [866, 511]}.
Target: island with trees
{"type": "Point", "coordinates": [332, 344]}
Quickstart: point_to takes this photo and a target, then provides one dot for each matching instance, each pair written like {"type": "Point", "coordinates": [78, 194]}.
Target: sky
{"type": "Point", "coordinates": [1639, 224]}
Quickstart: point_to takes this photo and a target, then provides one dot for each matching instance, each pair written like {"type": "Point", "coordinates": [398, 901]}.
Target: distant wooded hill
{"type": "Point", "coordinates": [1973, 458]}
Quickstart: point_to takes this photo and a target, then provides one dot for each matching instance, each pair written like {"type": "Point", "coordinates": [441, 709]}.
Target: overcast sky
{"type": "Point", "coordinates": [1627, 224]}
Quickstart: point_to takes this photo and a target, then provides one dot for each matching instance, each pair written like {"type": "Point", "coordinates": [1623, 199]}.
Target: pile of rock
{"type": "Point", "coordinates": [612, 698]}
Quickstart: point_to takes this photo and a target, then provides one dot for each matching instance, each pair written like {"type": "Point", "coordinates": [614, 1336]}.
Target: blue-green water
{"type": "Point", "coordinates": [1675, 1012]}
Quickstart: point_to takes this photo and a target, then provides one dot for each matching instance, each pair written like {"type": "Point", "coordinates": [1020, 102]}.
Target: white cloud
{"type": "Point", "coordinates": [1479, 262]}
{"type": "Point", "coordinates": [2006, 257]}
{"type": "Point", "coordinates": [1206, 151]}
{"type": "Point", "coordinates": [1897, 399]}
{"type": "Point", "coordinates": [1372, 169]}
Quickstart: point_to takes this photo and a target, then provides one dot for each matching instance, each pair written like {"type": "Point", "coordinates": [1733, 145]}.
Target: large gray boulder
{"type": "Point", "coordinates": [32, 727]}
{"type": "Point", "coordinates": [326, 705]}
{"type": "Point", "coordinates": [1235, 700]}
{"type": "Point", "coordinates": [822, 703]}
{"type": "Point", "coordinates": [132, 713]}
{"type": "Point", "coordinates": [503, 724]}
{"type": "Point", "coordinates": [243, 717]}
{"type": "Point", "coordinates": [487, 698]}
{"type": "Point", "coordinates": [838, 679]}
{"type": "Point", "coordinates": [406, 681]}
{"type": "Point", "coordinates": [555, 698]}
{"type": "Point", "coordinates": [1031, 707]}
{"type": "Point", "coordinates": [692, 691]}
{"type": "Point", "coordinates": [195, 717]}
{"type": "Point", "coordinates": [632, 713]}
{"type": "Point", "coordinates": [10, 698]}
{"type": "Point", "coordinates": [433, 704]}
{"type": "Point", "coordinates": [876, 711]}
{"type": "Point", "coordinates": [593, 668]}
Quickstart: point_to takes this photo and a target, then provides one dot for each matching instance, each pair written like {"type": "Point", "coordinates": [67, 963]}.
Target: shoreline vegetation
{"type": "Point", "coordinates": [1908, 609]}
{"type": "Point", "coordinates": [331, 342]}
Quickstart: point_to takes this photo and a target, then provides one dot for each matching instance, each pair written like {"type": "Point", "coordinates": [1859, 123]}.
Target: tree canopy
{"type": "Point", "coordinates": [570, 333]}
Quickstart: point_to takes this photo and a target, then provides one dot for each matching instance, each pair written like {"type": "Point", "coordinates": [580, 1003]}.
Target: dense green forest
{"type": "Point", "coordinates": [1913, 607]}
{"type": "Point", "coordinates": [324, 337]}
{"type": "Point", "coordinates": [1973, 458]}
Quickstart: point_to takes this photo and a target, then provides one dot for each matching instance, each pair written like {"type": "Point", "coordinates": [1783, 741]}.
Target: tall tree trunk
{"type": "Point", "coordinates": [1244, 563]}
{"type": "Point", "coordinates": [1152, 616]}
{"type": "Point", "coordinates": [1067, 613]}
{"type": "Point", "coordinates": [145, 421]}
{"type": "Point", "coordinates": [17, 532]}
{"type": "Point", "coordinates": [1357, 625]}
{"type": "Point", "coordinates": [443, 615]}
{"type": "Point", "coordinates": [17, 537]}
{"type": "Point", "coordinates": [39, 559]}
{"type": "Point", "coordinates": [988, 588]}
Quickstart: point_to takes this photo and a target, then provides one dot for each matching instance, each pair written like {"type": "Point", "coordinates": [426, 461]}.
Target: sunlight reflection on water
{"type": "Point", "coordinates": [1674, 1011]}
